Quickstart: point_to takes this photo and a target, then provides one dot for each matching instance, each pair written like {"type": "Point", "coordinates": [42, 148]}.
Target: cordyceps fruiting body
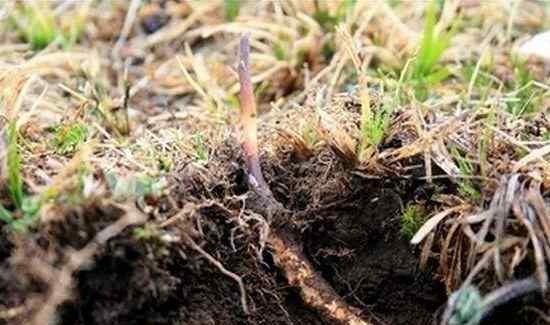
{"type": "Point", "coordinates": [288, 252]}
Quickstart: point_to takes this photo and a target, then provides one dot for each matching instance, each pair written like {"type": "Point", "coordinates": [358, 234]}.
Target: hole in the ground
{"type": "Point", "coordinates": [358, 247]}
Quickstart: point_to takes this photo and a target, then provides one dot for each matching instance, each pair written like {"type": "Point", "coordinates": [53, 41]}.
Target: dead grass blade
{"type": "Point", "coordinates": [521, 211]}
{"type": "Point", "coordinates": [432, 223]}
{"type": "Point", "coordinates": [534, 155]}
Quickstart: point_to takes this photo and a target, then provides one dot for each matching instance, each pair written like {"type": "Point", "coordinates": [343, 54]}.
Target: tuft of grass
{"type": "Point", "coordinates": [480, 78]}
{"type": "Point", "coordinates": [26, 208]}
{"type": "Point", "coordinates": [68, 138]}
{"type": "Point", "coordinates": [528, 97]}
{"type": "Point", "coordinates": [146, 232]}
{"type": "Point", "coordinates": [465, 186]}
{"type": "Point", "coordinates": [411, 220]}
{"type": "Point", "coordinates": [232, 9]}
{"type": "Point", "coordinates": [328, 20]}
{"type": "Point", "coordinates": [15, 179]}
{"type": "Point", "coordinates": [280, 51]}
{"type": "Point", "coordinates": [374, 124]}
{"type": "Point", "coordinates": [426, 71]}
{"type": "Point", "coordinates": [201, 150]}
{"type": "Point", "coordinates": [114, 115]}
{"type": "Point", "coordinates": [36, 24]}
{"type": "Point", "coordinates": [134, 187]}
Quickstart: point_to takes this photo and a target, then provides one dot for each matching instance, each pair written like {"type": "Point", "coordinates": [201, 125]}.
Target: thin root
{"type": "Point", "coordinates": [189, 241]}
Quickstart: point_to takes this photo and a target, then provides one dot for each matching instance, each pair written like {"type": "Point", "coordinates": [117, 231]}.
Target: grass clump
{"type": "Point", "coordinates": [36, 23]}
{"type": "Point", "coordinates": [426, 71]}
{"type": "Point", "coordinates": [134, 187]}
{"type": "Point", "coordinates": [411, 220]}
{"type": "Point", "coordinates": [232, 9]}
{"type": "Point", "coordinates": [465, 185]}
{"type": "Point", "coordinates": [112, 112]}
{"type": "Point", "coordinates": [147, 232]}
{"type": "Point", "coordinates": [329, 20]}
{"type": "Point", "coordinates": [68, 138]}
{"type": "Point", "coordinates": [15, 179]}
{"type": "Point", "coordinates": [527, 96]}
{"type": "Point", "coordinates": [374, 125]}
{"type": "Point", "coordinates": [25, 207]}
{"type": "Point", "coordinates": [201, 149]}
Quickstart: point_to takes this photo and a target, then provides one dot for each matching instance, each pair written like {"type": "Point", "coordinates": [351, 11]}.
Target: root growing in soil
{"type": "Point", "coordinates": [191, 243]}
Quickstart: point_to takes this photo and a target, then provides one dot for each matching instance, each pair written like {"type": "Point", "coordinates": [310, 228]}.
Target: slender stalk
{"type": "Point", "coordinates": [287, 250]}
{"type": "Point", "coordinates": [249, 117]}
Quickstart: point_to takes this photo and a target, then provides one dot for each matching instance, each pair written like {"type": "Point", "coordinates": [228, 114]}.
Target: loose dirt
{"type": "Point", "coordinates": [349, 227]}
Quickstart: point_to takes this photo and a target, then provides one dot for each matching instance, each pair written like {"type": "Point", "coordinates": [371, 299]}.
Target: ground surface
{"type": "Point", "coordinates": [131, 203]}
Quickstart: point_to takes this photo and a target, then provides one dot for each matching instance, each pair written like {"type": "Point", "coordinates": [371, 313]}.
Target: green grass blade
{"type": "Point", "coordinates": [232, 9]}
{"type": "Point", "coordinates": [437, 76]}
{"type": "Point", "coordinates": [425, 56]}
{"type": "Point", "coordinates": [15, 180]}
{"type": "Point", "coordinates": [5, 215]}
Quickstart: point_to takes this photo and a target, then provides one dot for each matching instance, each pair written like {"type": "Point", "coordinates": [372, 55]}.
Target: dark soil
{"type": "Point", "coordinates": [353, 237]}
{"type": "Point", "coordinates": [360, 250]}
{"type": "Point", "coordinates": [349, 226]}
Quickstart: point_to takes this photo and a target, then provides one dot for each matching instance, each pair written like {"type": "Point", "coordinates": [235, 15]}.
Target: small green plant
{"type": "Point", "coordinates": [465, 185]}
{"type": "Point", "coordinates": [68, 138]}
{"type": "Point", "coordinates": [310, 135]}
{"type": "Point", "coordinates": [374, 125]}
{"type": "Point", "coordinates": [165, 164]}
{"type": "Point", "coordinates": [26, 208]}
{"type": "Point", "coordinates": [37, 25]}
{"type": "Point", "coordinates": [328, 20]}
{"type": "Point", "coordinates": [232, 9]}
{"type": "Point", "coordinates": [528, 97]}
{"type": "Point", "coordinates": [114, 115]}
{"type": "Point", "coordinates": [146, 232]}
{"type": "Point", "coordinates": [280, 51]}
{"type": "Point", "coordinates": [411, 220]}
{"type": "Point", "coordinates": [15, 180]}
{"type": "Point", "coordinates": [479, 78]}
{"type": "Point", "coordinates": [425, 71]}
{"type": "Point", "coordinates": [134, 187]}
{"type": "Point", "coordinates": [201, 150]}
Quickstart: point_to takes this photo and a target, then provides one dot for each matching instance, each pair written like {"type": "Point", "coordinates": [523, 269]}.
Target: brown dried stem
{"type": "Point", "coordinates": [288, 252]}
